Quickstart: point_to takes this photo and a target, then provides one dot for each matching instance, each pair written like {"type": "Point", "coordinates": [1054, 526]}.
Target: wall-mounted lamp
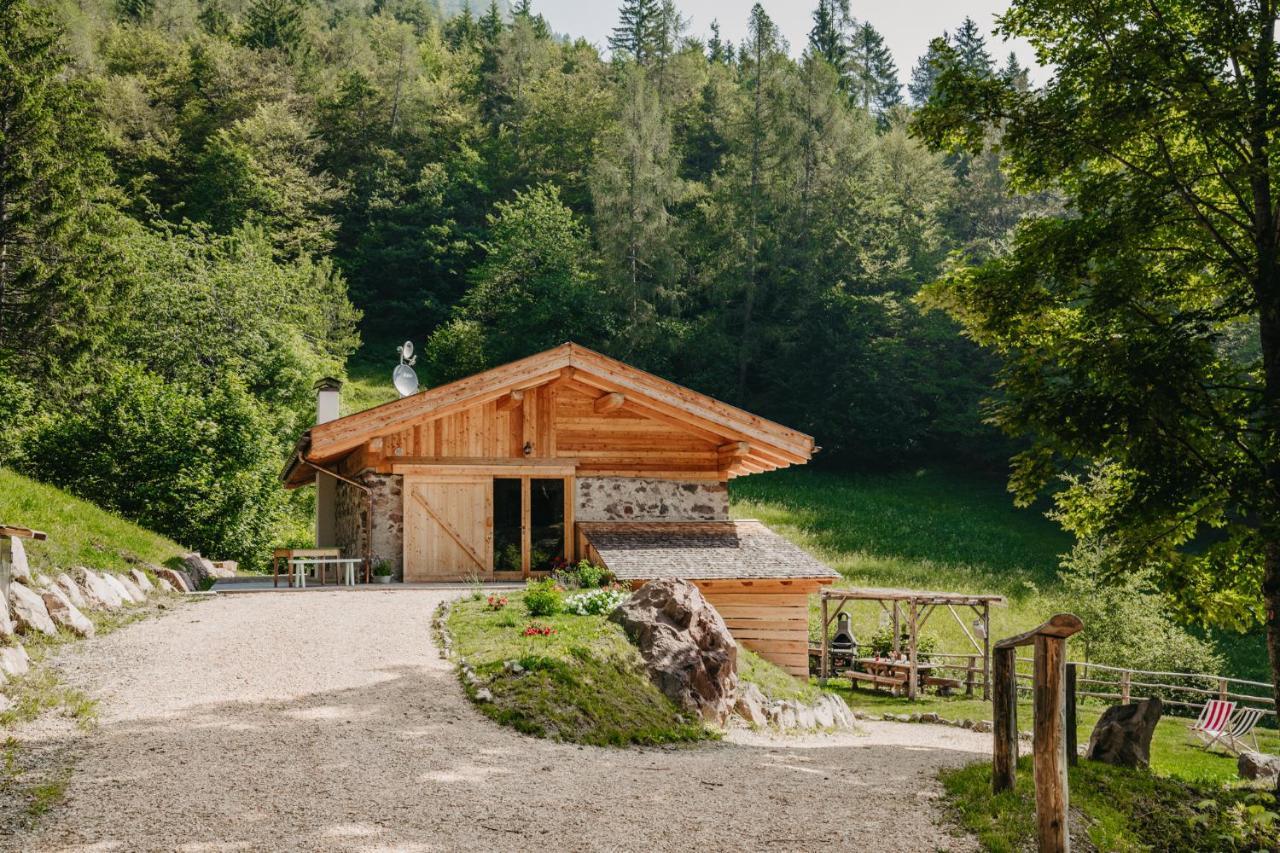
{"type": "Point", "coordinates": [528, 448]}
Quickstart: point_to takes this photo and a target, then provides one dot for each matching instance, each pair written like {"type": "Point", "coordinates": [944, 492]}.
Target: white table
{"type": "Point", "coordinates": [299, 565]}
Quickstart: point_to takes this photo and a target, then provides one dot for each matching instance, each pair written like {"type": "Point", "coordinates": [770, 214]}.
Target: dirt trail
{"type": "Point", "coordinates": [327, 721]}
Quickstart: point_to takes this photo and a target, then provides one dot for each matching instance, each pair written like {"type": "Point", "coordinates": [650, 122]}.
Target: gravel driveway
{"type": "Point", "coordinates": [327, 721]}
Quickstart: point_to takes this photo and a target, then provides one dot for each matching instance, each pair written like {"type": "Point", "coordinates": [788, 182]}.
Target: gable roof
{"type": "Point", "coordinates": [700, 550]}
{"type": "Point", "coordinates": [761, 438]}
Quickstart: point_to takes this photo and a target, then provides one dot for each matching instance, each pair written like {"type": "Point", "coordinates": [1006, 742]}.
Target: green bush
{"type": "Point", "coordinates": [585, 575]}
{"type": "Point", "coordinates": [881, 643]}
{"type": "Point", "coordinates": [199, 467]}
{"type": "Point", "coordinates": [1127, 622]}
{"type": "Point", "coordinates": [543, 598]}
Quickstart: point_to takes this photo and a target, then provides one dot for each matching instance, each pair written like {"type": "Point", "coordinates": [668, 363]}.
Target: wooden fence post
{"type": "Point", "coordinates": [1073, 749]}
{"type": "Point", "coordinates": [969, 672]}
{"type": "Point", "coordinates": [1125, 677]}
{"type": "Point", "coordinates": [824, 666]}
{"type": "Point", "coordinates": [1004, 713]}
{"type": "Point", "coordinates": [1222, 689]}
{"type": "Point", "coordinates": [1049, 689]}
{"type": "Point", "coordinates": [1049, 746]}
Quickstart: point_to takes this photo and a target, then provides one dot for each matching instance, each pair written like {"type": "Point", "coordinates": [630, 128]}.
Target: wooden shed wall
{"type": "Point", "coordinates": [770, 617]}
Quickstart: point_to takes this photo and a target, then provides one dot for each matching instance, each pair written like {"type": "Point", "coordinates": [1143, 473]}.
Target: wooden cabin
{"type": "Point", "coordinates": [558, 456]}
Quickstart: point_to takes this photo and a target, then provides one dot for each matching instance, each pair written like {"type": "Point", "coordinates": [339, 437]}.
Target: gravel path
{"type": "Point", "coordinates": [327, 721]}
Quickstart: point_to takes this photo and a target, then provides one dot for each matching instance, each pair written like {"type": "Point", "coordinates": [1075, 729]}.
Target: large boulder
{"type": "Point", "coordinates": [131, 588]}
{"type": "Point", "coordinates": [141, 580]}
{"type": "Point", "coordinates": [70, 590]}
{"type": "Point", "coordinates": [14, 660]}
{"type": "Point", "coordinates": [110, 579]}
{"type": "Point", "coordinates": [6, 623]}
{"type": "Point", "coordinates": [19, 568]}
{"type": "Point", "coordinates": [686, 647]}
{"type": "Point", "coordinates": [97, 592]}
{"type": "Point", "coordinates": [1123, 734]}
{"type": "Point", "coordinates": [1259, 766]}
{"type": "Point", "coordinates": [202, 570]}
{"type": "Point", "coordinates": [29, 612]}
{"type": "Point", "coordinates": [178, 580]}
{"type": "Point", "coordinates": [165, 586]}
{"type": "Point", "coordinates": [65, 614]}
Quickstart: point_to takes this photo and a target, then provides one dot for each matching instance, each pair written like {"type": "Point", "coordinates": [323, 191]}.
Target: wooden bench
{"type": "Point", "coordinates": [878, 680]}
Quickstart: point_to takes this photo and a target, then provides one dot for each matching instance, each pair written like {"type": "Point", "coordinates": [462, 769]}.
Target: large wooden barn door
{"type": "Point", "coordinates": [448, 528]}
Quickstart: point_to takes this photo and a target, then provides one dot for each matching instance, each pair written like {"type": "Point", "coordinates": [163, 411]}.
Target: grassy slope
{"type": "Point", "coordinates": [584, 684]}
{"type": "Point", "coordinates": [80, 534]}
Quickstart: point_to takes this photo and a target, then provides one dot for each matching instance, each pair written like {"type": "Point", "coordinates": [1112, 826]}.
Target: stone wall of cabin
{"type": "Point", "coordinates": [639, 499]}
{"type": "Point", "coordinates": [388, 518]}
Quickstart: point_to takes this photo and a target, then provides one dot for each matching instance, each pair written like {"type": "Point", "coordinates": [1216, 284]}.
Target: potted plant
{"type": "Point", "coordinates": [382, 571]}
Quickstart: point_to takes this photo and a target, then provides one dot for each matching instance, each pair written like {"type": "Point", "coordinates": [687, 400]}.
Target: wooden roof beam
{"type": "Point", "coordinates": [609, 402]}
{"type": "Point", "coordinates": [511, 400]}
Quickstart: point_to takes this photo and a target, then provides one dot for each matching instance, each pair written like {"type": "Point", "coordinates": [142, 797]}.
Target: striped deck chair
{"type": "Point", "coordinates": [1214, 721]}
{"type": "Point", "coordinates": [1241, 725]}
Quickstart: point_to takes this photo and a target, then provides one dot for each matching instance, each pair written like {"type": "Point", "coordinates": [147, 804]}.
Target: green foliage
{"type": "Point", "coordinates": [1128, 618]}
{"type": "Point", "coordinates": [585, 575]}
{"type": "Point", "coordinates": [774, 681]}
{"type": "Point", "coordinates": [1116, 809]}
{"type": "Point", "coordinates": [534, 289]}
{"type": "Point", "coordinates": [880, 643]}
{"type": "Point", "coordinates": [543, 597]}
{"type": "Point", "coordinates": [200, 466]}
{"type": "Point", "coordinates": [382, 568]}
{"type": "Point", "coordinates": [1140, 334]}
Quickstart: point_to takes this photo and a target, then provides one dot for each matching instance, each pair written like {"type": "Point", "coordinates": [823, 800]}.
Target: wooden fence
{"type": "Point", "coordinates": [1188, 690]}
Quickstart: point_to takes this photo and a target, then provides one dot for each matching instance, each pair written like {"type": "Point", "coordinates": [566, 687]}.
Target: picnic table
{"type": "Point", "coordinates": [893, 674]}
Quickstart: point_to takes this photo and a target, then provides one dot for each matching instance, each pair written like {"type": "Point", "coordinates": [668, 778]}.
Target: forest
{"type": "Point", "coordinates": [205, 205]}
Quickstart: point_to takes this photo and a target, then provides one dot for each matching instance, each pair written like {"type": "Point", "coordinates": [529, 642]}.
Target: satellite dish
{"type": "Point", "coordinates": [403, 377]}
{"type": "Point", "coordinates": [405, 380]}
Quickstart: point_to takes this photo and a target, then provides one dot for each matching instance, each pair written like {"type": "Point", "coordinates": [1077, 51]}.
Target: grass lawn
{"type": "Point", "coordinates": [1174, 752]}
{"type": "Point", "coordinates": [80, 533]}
{"type": "Point", "coordinates": [584, 684]}
{"type": "Point", "coordinates": [1114, 809]}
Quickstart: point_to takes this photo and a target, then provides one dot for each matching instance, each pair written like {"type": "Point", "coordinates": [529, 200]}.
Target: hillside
{"type": "Point", "coordinates": [80, 534]}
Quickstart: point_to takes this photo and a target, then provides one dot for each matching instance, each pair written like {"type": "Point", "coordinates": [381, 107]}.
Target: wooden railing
{"type": "Point", "coordinates": [1114, 683]}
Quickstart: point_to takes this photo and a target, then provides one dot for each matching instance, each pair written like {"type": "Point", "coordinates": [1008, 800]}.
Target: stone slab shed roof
{"type": "Point", "coordinates": [710, 550]}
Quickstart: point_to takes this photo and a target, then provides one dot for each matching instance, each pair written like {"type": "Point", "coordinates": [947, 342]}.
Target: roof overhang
{"type": "Point", "coordinates": [769, 443]}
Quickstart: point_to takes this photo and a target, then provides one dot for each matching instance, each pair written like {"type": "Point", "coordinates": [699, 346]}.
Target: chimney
{"type": "Point", "coordinates": [327, 399]}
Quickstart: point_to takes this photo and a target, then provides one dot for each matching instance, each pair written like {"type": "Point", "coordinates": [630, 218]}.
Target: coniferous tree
{"type": "Point", "coordinates": [971, 49]}
{"type": "Point", "coordinates": [718, 50]}
{"type": "Point", "coordinates": [827, 38]}
{"type": "Point", "coordinates": [640, 31]}
{"type": "Point", "coordinates": [1015, 73]}
{"type": "Point", "coordinates": [135, 10]}
{"type": "Point", "coordinates": [633, 182]}
{"type": "Point", "coordinates": [52, 173]}
{"type": "Point", "coordinates": [214, 19]}
{"type": "Point", "coordinates": [924, 75]}
{"type": "Point", "coordinates": [275, 25]}
{"type": "Point", "coordinates": [873, 76]}
{"type": "Point", "coordinates": [461, 30]}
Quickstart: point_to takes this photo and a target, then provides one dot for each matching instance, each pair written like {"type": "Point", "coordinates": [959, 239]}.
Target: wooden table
{"type": "Point", "coordinates": [285, 556]}
{"type": "Point", "coordinates": [893, 673]}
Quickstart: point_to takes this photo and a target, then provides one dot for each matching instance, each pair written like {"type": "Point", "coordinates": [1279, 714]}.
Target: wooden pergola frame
{"type": "Point", "coordinates": [918, 605]}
